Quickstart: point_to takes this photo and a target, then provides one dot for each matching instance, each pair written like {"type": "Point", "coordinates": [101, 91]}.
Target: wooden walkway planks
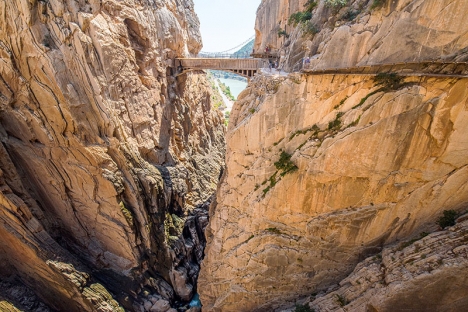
{"type": "Point", "coordinates": [249, 67]}
{"type": "Point", "coordinates": [244, 67]}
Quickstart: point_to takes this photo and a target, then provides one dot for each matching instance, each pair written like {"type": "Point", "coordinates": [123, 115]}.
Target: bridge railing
{"type": "Point", "coordinates": [224, 55]}
{"type": "Point", "coordinates": [219, 63]}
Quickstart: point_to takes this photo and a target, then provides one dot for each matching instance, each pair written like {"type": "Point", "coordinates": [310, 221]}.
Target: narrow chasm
{"type": "Point", "coordinates": [109, 157]}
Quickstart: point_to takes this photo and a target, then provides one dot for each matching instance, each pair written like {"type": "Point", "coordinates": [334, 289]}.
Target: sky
{"type": "Point", "coordinates": [225, 24]}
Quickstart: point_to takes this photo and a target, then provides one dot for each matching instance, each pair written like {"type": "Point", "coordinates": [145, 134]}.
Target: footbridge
{"type": "Point", "coordinates": [237, 60]}
{"type": "Point", "coordinates": [246, 67]}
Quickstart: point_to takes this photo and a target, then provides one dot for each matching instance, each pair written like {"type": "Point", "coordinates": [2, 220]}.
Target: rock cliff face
{"type": "Point", "coordinates": [373, 167]}
{"type": "Point", "coordinates": [105, 154]}
{"type": "Point", "coordinates": [323, 171]}
{"type": "Point", "coordinates": [361, 33]}
{"type": "Point", "coordinates": [427, 275]}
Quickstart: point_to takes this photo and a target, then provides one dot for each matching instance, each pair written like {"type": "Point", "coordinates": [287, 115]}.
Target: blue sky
{"type": "Point", "coordinates": [225, 23]}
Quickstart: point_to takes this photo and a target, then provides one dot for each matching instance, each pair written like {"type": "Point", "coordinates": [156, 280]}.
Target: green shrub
{"type": "Point", "coordinates": [310, 5]}
{"type": "Point", "coordinates": [377, 4]}
{"type": "Point", "coordinates": [364, 99]}
{"type": "Point", "coordinates": [285, 164]}
{"type": "Point", "coordinates": [274, 231]}
{"type": "Point", "coordinates": [299, 18]}
{"type": "Point", "coordinates": [335, 124]}
{"type": "Point", "coordinates": [389, 81]}
{"type": "Point", "coordinates": [336, 3]}
{"type": "Point", "coordinates": [310, 29]}
{"type": "Point", "coordinates": [448, 219]}
{"type": "Point", "coordinates": [303, 308]}
{"type": "Point", "coordinates": [350, 15]}
{"type": "Point", "coordinates": [282, 32]}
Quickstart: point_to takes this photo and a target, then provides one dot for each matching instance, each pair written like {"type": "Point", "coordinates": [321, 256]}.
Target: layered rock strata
{"type": "Point", "coordinates": [427, 275]}
{"type": "Point", "coordinates": [105, 152]}
{"type": "Point", "coordinates": [361, 33]}
{"type": "Point", "coordinates": [323, 171]}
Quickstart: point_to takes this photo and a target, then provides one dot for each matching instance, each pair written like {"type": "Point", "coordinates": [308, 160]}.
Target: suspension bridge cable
{"type": "Point", "coordinates": [236, 47]}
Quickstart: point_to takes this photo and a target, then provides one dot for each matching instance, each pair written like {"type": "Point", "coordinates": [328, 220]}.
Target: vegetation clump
{"type": "Point", "coordinates": [342, 301]}
{"type": "Point", "coordinates": [274, 231]}
{"type": "Point", "coordinates": [310, 5]}
{"type": "Point", "coordinates": [303, 308]}
{"type": "Point", "coordinates": [335, 124]}
{"type": "Point", "coordinates": [448, 219]}
{"type": "Point", "coordinates": [364, 99]}
{"type": "Point", "coordinates": [299, 18]}
{"type": "Point", "coordinates": [377, 4]}
{"type": "Point", "coordinates": [303, 19]}
{"type": "Point", "coordinates": [282, 32]}
{"type": "Point", "coordinates": [285, 164]}
{"type": "Point", "coordinates": [310, 29]}
{"type": "Point", "coordinates": [314, 128]}
{"type": "Point", "coordinates": [226, 90]}
{"type": "Point", "coordinates": [127, 214]}
{"type": "Point", "coordinates": [389, 81]}
{"type": "Point", "coordinates": [336, 3]}
{"type": "Point", "coordinates": [272, 181]}
{"type": "Point", "coordinates": [248, 239]}
{"type": "Point", "coordinates": [350, 15]}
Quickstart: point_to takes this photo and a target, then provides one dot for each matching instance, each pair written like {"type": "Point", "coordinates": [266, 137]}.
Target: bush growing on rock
{"type": "Point", "coordinates": [448, 219]}
{"type": "Point", "coordinates": [285, 164]}
{"type": "Point", "coordinates": [303, 308]}
{"type": "Point", "coordinates": [299, 18]}
{"type": "Point", "coordinates": [389, 81]}
{"type": "Point", "coordinates": [335, 3]}
{"type": "Point", "coordinates": [310, 5]}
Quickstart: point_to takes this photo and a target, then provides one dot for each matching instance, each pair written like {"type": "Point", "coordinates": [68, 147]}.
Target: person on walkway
{"type": "Point", "coordinates": [276, 66]}
{"type": "Point", "coordinates": [270, 65]}
{"type": "Point", "coordinates": [307, 62]}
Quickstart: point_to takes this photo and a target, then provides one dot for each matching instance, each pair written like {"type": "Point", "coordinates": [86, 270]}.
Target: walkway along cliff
{"type": "Point", "coordinates": [326, 170]}
{"type": "Point", "coordinates": [107, 160]}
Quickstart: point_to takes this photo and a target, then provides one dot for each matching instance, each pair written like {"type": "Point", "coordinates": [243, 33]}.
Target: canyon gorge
{"type": "Point", "coordinates": [122, 190]}
{"type": "Point", "coordinates": [107, 160]}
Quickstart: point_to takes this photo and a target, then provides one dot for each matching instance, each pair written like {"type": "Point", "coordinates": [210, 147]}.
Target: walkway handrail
{"type": "Point", "coordinates": [455, 69]}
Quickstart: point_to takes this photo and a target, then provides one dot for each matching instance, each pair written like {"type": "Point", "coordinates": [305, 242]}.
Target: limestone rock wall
{"type": "Point", "coordinates": [271, 16]}
{"type": "Point", "coordinates": [105, 152]}
{"type": "Point", "coordinates": [360, 34]}
{"type": "Point", "coordinates": [429, 274]}
{"type": "Point", "coordinates": [373, 167]}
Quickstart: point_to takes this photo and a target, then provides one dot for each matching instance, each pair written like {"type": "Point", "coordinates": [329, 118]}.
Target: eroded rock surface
{"type": "Point", "coordinates": [105, 152]}
{"type": "Point", "coordinates": [325, 170]}
{"type": "Point", "coordinates": [373, 166]}
{"type": "Point", "coordinates": [361, 34]}
{"type": "Point", "coordinates": [429, 275]}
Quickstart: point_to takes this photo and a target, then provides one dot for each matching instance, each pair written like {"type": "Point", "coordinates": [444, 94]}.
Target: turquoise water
{"type": "Point", "coordinates": [195, 301]}
{"type": "Point", "coordinates": [236, 86]}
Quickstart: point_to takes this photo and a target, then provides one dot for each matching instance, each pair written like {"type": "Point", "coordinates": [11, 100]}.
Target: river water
{"type": "Point", "coordinates": [236, 86]}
